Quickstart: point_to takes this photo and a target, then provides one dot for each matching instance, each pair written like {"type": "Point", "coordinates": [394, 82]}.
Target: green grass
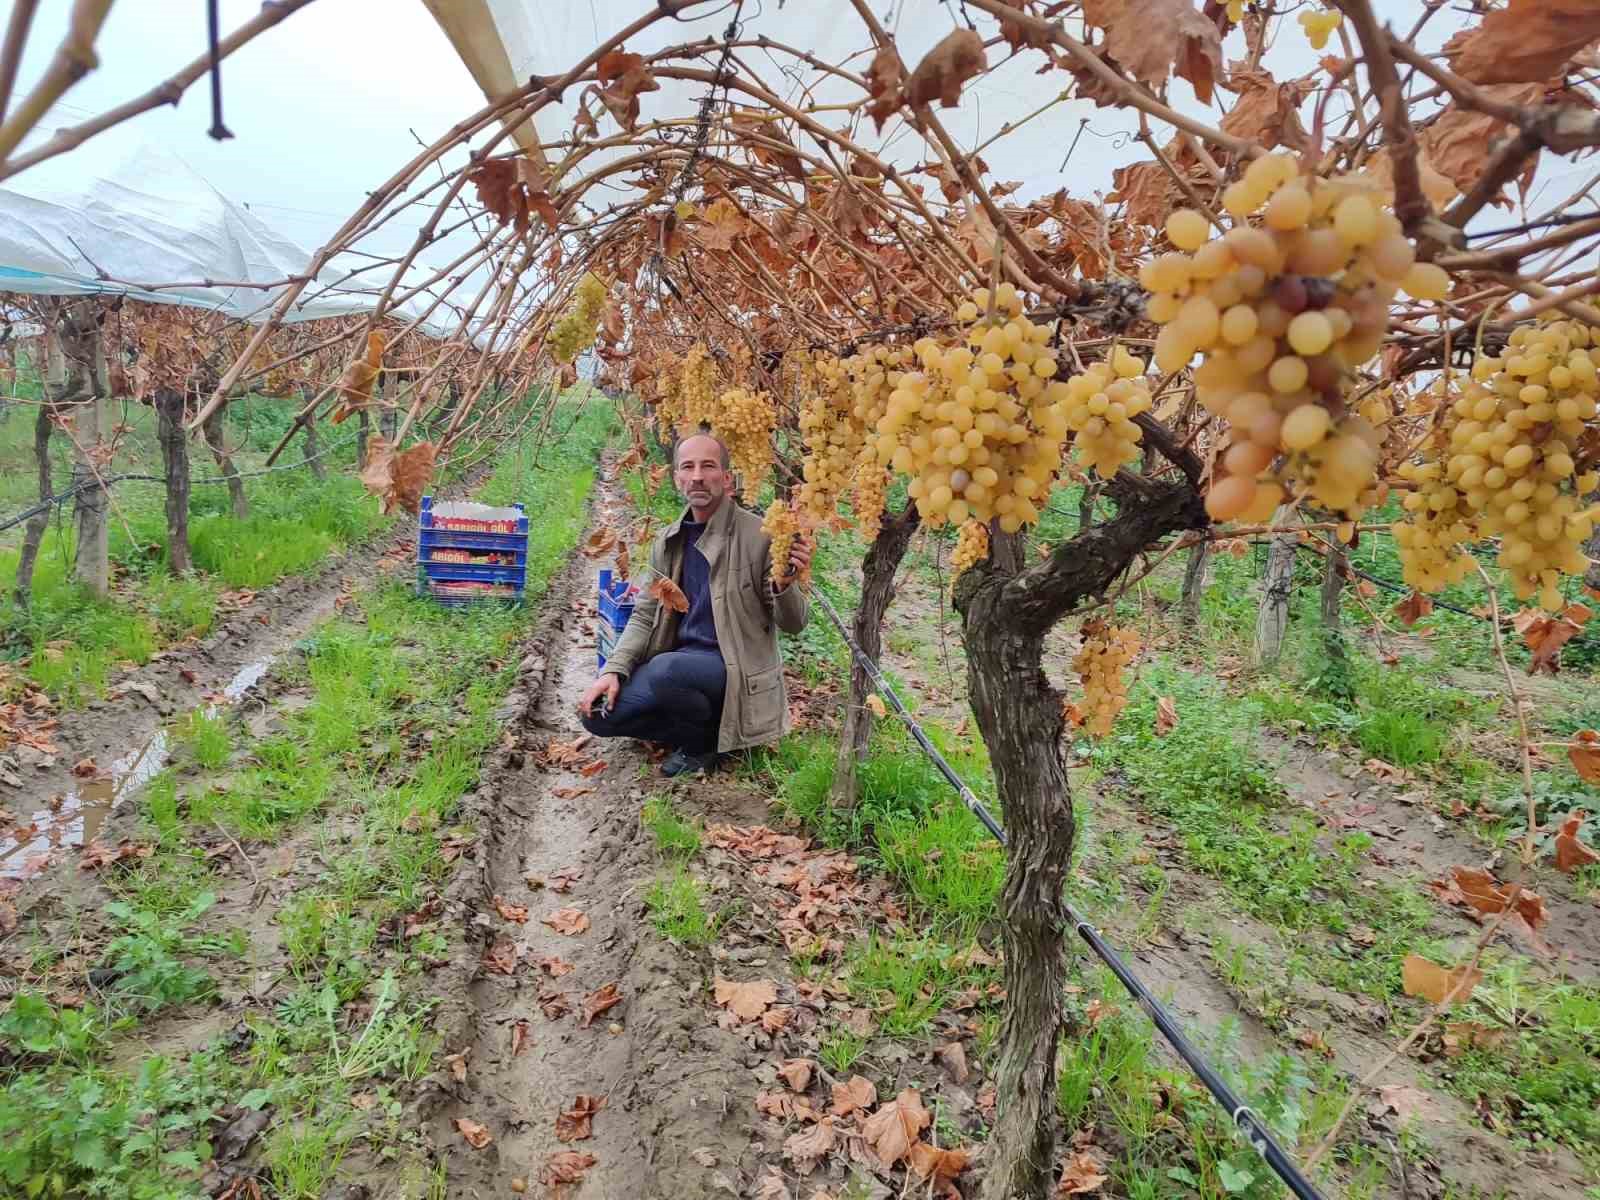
{"type": "Point", "coordinates": [677, 907]}
{"type": "Point", "coordinates": [388, 669]}
{"type": "Point", "coordinates": [674, 835]}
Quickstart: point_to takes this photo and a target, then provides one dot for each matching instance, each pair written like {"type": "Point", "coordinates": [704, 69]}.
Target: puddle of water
{"type": "Point", "coordinates": [79, 815]}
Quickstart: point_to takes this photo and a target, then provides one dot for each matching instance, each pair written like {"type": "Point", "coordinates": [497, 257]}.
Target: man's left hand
{"type": "Point", "coordinates": [800, 551]}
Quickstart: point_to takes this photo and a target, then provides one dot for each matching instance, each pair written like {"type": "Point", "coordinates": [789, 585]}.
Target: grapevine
{"type": "Point", "coordinates": [780, 525]}
{"type": "Point", "coordinates": [1101, 405]}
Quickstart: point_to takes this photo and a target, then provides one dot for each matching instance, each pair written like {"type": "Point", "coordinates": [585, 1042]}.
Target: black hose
{"type": "Point", "coordinates": [1253, 1128]}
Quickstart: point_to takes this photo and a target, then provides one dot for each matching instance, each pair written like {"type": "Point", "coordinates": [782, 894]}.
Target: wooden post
{"type": "Point", "coordinates": [1194, 584]}
{"type": "Point", "coordinates": [1272, 619]}
{"type": "Point", "coordinates": [84, 388]}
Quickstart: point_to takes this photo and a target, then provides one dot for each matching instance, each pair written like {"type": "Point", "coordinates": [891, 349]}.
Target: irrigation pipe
{"type": "Point", "coordinates": [1253, 1128]}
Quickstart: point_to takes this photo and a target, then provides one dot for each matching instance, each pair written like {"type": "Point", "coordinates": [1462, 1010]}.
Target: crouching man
{"type": "Point", "coordinates": [708, 681]}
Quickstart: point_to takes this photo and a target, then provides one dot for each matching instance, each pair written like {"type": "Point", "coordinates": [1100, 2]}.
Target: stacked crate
{"type": "Point", "coordinates": [616, 606]}
{"type": "Point", "coordinates": [471, 553]}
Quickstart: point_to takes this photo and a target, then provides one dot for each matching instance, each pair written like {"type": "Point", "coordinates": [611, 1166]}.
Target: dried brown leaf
{"type": "Point", "coordinates": [796, 1072]}
{"type": "Point", "coordinates": [477, 1136]}
{"type": "Point", "coordinates": [669, 593]}
{"type": "Point", "coordinates": [1081, 1174]}
{"type": "Point", "coordinates": [576, 1123]}
{"type": "Point", "coordinates": [1433, 983]}
{"type": "Point", "coordinates": [1570, 852]}
{"type": "Point", "coordinates": [894, 1127]}
{"type": "Point", "coordinates": [602, 999]}
{"type": "Point", "coordinates": [857, 1093]}
{"type": "Point", "coordinates": [568, 921]}
{"type": "Point", "coordinates": [807, 1148]}
{"type": "Point", "coordinates": [1528, 41]}
{"type": "Point", "coordinates": [565, 1166]}
{"type": "Point", "coordinates": [1413, 608]}
{"type": "Point", "coordinates": [509, 911]}
{"type": "Point", "coordinates": [1157, 38]}
{"type": "Point", "coordinates": [746, 999]}
{"type": "Point", "coordinates": [939, 76]}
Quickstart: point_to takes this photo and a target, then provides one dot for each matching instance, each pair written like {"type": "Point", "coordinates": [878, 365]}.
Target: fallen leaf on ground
{"type": "Point", "coordinates": [97, 854]}
{"type": "Point", "coordinates": [565, 1166]}
{"type": "Point", "coordinates": [1570, 852]}
{"type": "Point", "coordinates": [1407, 1102]}
{"type": "Point", "coordinates": [1484, 893]}
{"type": "Point", "coordinates": [562, 880]}
{"type": "Point", "coordinates": [953, 1056]}
{"type": "Point", "coordinates": [519, 1037]}
{"type": "Point", "coordinates": [555, 1004]}
{"type": "Point", "coordinates": [511, 912]}
{"type": "Point", "coordinates": [930, 1162]}
{"type": "Point", "coordinates": [669, 593]}
{"type": "Point", "coordinates": [856, 1093]}
{"type": "Point", "coordinates": [502, 957]}
{"type": "Point", "coordinates": [458, 1065]}
{"type": "Point", "coordinates": [1420, 977]}
{"type": "Point", "coordinates": [568, 921]}
{"type": "Point", "coordinates": [1080, 1175]}
{"type": "Point", "coordinates": [894, 1127]}
{"type": "Point", "coordinates": [773, 1187]}
{"type": "Point", "coordinates": [1166, 715]}
{"type": "Point", "coordinates": [570, 793]}
{"type": "Point", "coordinates": [576, 1123]}
{"type": "Point", "coordinates": [85, 768]}
{"type": "Point", "coordinates": [1461, 1036]}
{"type": "Point", "coordinates": [796, 1072]}
{"type": "Point", "coordinates": [703, 1156]}
{"type": "Point", "coordinates": [554, 967]}
{"type": "Point", "coordinates": [598, 1001]}
{"type": "Point", "coordinates": [806, 1148]}
{"type": "Point", "coordinates": [477, 1136]}
{"type": "Point", "coordinates": [777, 1019]}
{"type": "Point", "coordinates": [746, 999]}
{"type": "Point", "coordinates": [590, 769]}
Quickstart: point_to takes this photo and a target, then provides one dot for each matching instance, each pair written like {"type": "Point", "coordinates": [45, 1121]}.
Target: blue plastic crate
{"type": "Point", "coordinates": [470, 572]}
{"type": "Point", "coordinates": [614, 611]}
{"type": "Point", "coordinates": [427, 520]}
{"type": "Point", "coordinates": [451, 539]}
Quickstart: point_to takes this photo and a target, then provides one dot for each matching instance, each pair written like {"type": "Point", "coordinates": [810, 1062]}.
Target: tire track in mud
{"type": "Point", "coordinates": [670, 1124]}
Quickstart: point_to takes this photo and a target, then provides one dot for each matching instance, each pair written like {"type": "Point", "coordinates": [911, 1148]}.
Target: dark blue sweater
{"type": "Point", "coordinates": [697, 629]}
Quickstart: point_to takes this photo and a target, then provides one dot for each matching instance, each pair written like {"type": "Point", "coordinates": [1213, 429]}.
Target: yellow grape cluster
{"type": "Point", "coordinates": [1318, 23]}
{"type": "Point", "coordinates": [1504, 463]}
{"type": "Point", "coordinates": [780, 525]}
{"type": "Point", "coordinates": [574, 330]}
{"type": "Point", "coordinates": [1236, 11]}
{"type": "Point", "coordinates": [1282, 311]}
{"type": "Point", "coordinates": [832, 433]}
{"type": "Point", "coordinates": [1107, 649]}
{"type": "Point", "coordinates": [868, 495]}
{"type": "Point", "coordinates": [743, 420]}
{"type": "Point", "coordinates": [1101, 404]}
{"type": "Point", "coordinates": [972, 546]}
{"type": "Point", "coordinates": [697, 391]}
{"type": "Point", "coordinates": [980, 427]}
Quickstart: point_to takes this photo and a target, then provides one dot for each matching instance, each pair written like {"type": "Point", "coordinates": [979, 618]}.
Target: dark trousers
{"type": "Point", "coordinates": [674, 698]}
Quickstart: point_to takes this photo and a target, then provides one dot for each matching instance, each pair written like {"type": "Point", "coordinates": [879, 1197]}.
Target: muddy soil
{"type": "Point", "coordinates": [107, 750]}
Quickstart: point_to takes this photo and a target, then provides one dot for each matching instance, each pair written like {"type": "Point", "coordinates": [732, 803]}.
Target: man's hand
{"type": "Point", "coordinates": [800, 551]}
{"type": "Point", "coordinates": [608, 686]}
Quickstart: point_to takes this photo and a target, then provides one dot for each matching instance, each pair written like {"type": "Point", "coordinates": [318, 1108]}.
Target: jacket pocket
{"type": "Point", "coordinates": [761, 714]}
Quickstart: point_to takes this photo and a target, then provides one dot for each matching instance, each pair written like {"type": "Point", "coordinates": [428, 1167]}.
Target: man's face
{"type": "Point", "coordinates": [700, 475]}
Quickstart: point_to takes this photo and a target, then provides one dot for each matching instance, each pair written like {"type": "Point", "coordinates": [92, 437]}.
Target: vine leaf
{"type": "Point", "coordinates": [1570, 852]}
{"type": "Point", "coordinates": [1584, 751]}
{"type": "Point", "coordinates": [1154, 39]}
{"type": "Point", "coordinates": [1433, 983]}
{"type": "Point", "coordinates": [945, 68]}
{"type": "Point", "coordinates": [1528, 41]}
{"type": "Point", "coordinates": [669, 593]}
{"type": "Point", "coordinates": [1413, 608]}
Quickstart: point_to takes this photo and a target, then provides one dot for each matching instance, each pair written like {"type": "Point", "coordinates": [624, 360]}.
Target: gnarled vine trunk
{"type": "Point", "coordinates": [216, 440]}
{"type": "Point", "coordinates": [1334, 567]}
{"type": "Point", "coordinates": [33, 531]}
{"type": "Point", "coordinates": [1006, 611]}
{"type": "Point", "coordinates": [1591, 577]}
{"type": "Point", "coordinates": [1272, 618]}
{"type": "Point", "coordinates": [877, 593]}
{"type": "Point", "coordinates": [313, 455]}
{"type": "Point", "coordinates": [174, 441]}
{"type": "Point", "coordinates": [1194, 584]}
{"type": "Point", "coordinates": [77, 389]}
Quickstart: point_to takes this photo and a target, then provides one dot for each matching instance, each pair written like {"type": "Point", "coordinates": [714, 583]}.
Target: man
{"type": "Point", "coordinates": [708, 681]}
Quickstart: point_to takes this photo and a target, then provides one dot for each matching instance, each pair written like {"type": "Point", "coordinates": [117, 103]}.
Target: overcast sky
{"type": "Point", "coordinates": [321, 106]}
{"type": "Point", "coordinates": [324, 105]}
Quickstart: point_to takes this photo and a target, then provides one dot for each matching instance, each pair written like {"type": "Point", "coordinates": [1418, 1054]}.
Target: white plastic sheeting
{"type": "Point", "coordinates": [549, 37]}
{"type": "Point", "coordinates": [156, 222]}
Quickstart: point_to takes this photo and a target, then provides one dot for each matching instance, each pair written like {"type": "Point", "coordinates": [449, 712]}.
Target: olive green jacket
{"type": "Point", "coordinates": [748, 614]}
